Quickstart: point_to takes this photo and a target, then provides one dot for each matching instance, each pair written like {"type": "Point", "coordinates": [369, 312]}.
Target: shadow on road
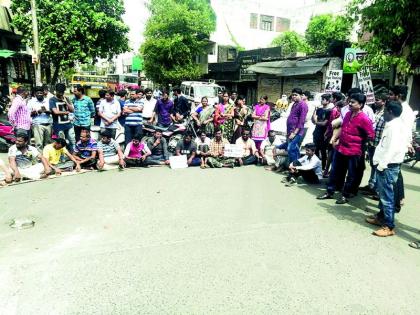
{"type": "Point", "coordinates": [351, 211]}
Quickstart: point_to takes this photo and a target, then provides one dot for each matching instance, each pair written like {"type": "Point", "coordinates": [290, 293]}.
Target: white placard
{"type": "Point", "coordinates": [333, 81]}
{"type": "Point", "coordinates": [234, 150]}
{"type": "Point", "coordinates": [178, 161]}
{"type": "Point", "coordinates": [365, 84]}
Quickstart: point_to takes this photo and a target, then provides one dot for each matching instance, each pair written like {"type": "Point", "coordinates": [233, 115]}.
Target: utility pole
{"type": "Point", "coordinates": [36, 58]}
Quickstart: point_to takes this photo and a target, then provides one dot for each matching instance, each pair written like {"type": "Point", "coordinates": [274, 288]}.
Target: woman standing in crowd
{"type": "Point", "coordinates": [203, 117]}
{"type": "Point", "coordinates": [241, 113]}
{"type": "Point", "coordinates": [223, 117]}
{"type": "Point", "coordinates": [320, 119]}
{"type": "Point", "coordinates": [261, 116]}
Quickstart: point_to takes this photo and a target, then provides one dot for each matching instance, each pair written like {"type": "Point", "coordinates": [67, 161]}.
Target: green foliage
{"type": "Point", "coordinates": [322, 29]}
{"type": "Point", "coordinates": [290, 43]}
{"type": "Point", "coordinates": [394, 25]}
{"type": "Point", "coordinates": [176, 32]}
{"type": "Point", "coordinates": [73, 31]}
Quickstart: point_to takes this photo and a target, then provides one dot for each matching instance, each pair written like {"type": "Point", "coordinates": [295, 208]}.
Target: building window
{"type": "Point", "coordinates": [282, 24]}
{"type": "Point", "coordinates": [266, 22]}
{"type": "Point", "coordinates": [253, 21]}
{"type": "Point", "coordinates": [231, 54]}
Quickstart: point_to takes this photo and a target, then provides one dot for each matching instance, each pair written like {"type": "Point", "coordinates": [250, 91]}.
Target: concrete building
{"type": "Point", "coordinates": [253, 24]}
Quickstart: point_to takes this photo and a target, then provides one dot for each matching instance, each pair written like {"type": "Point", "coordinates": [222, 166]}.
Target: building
{"type": "Point", "coordinates": [253, 24]}
{"type": "Point", "coordinates": [15, 61]}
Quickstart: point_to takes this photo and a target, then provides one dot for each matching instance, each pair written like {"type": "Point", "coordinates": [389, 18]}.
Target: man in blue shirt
{"type": "Point", "coordinates": [84, 110]}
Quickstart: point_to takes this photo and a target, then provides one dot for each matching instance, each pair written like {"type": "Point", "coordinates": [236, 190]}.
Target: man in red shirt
{"type": "Point", "coordinates": [356, 129]}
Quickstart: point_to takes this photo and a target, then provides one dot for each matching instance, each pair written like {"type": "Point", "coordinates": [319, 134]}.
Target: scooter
{"type": "Point", "coordinates": [7, 136]}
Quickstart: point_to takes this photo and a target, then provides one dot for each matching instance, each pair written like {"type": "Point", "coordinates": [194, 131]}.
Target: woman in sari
{"type": "Point", "coordinates": [241, 113]}
{"type": "Point", "coordinates": [261, 116]}
{"type": "Point", "coordinates": [203, 117]}
{"type": "Point", "coordinates": [223, 117]}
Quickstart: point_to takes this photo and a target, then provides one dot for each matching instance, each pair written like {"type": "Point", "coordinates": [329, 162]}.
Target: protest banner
{"type": "Point", "coordinates": [333, 81]}
{"type": "Point", "coordinates": [353, 60]}
{"type": "Point", "coordinates": [233, 150]}
{"type": "Point", "coordinates": [178, 161]}
{"type": "Point", "coordinates": [365, 84]}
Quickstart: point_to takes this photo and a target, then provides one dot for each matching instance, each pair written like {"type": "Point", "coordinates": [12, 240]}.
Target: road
{"type": "Point", "coordinates": [231, 241]}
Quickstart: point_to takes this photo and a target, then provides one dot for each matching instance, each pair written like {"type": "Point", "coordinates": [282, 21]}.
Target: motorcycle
{"type": "Point", "coordinates": [173, 133]}
{"type": "Point", "coordinates": [416, 155]}
{"type": "Point", "coordinates": [7, 136]}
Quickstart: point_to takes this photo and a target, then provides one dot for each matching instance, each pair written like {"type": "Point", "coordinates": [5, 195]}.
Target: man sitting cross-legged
{"type": "Point", "coordinates": [24, 160]}
{"type": "Point", "coordinates": [203, 148]}
{"type": "Point", "coordinates": [159, 148]}
{"type": "Point", "coordinates": [59, 158]}
{"type": "Point", "coordinates": [86, 150]}
{"type": "Point", "coordinates": [186, 147]}
{"type": "Point", "coordinates": [309, 167]}
{"type": "Point", "coordinates": [136, 152]}
{"type": "Point", "coordinates": [250, 152]}
{"type": "Point", "coordinates": [217, 146]}
{"type": "Point", "coordinates": [110, 153]}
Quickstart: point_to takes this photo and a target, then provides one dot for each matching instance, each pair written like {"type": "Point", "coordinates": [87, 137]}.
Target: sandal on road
{"type": "Point", "coordinates": [415, 245]}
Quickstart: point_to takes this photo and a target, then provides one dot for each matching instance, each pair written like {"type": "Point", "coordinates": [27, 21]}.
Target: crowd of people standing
{"type": "Point", "coordinates": [346, 130]}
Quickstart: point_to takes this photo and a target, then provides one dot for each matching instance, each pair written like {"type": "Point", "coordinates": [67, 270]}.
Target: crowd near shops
{"type": "Point", "coordinates": [347, 130]}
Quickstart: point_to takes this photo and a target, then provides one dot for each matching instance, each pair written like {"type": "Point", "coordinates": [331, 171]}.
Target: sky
{"type": "Point", "coordinates": [135, 17]}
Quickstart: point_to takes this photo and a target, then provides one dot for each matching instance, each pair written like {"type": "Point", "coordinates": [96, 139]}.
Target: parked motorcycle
{"type": "Point", "coordinates": [173, 134]}
{"type": "Point", "coordinates": [7, 136]}
{"type": "Point", "coordinates": [414, 157]}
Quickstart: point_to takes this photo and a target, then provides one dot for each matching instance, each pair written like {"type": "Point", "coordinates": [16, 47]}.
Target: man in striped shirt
{"type": "Point", "coordinates": [132, 111]}
{"type": "Point", "coordinates": [84, 110]}
{"type": "Point", "coordinates": [20, 113]}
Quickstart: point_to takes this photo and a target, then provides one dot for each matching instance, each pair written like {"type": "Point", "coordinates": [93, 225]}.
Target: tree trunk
{"type": "Point", "coordinates": [55, 75]}
{"type": "Point", "coordinates": [48, 73]}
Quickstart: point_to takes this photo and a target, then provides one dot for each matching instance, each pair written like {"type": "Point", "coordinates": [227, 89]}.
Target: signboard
{"type": "Point", "coordinates": [137, 63]}
{"type": "Point", "coordinates": [244, 74]}
{"type": "Point", "coordinates": [333, 81]}
{"type": "Point", "coordinates": [353, 60]}
{"type": "Point", "coordinates": [234, 150]}
{"type": "Point", "coordinates": [365, 84]}
{"type": "Point", "coordinates": [178, 161]}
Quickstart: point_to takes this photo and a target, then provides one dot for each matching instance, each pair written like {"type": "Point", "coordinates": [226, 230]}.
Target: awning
{"type": "Point", "coordinates": [289, 68]}
{"type": "Point", "coordinates": [5, 53]}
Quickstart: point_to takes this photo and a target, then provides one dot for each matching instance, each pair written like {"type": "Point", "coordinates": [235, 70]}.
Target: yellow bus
{"type": "Point", "coordinates": [93, 83]}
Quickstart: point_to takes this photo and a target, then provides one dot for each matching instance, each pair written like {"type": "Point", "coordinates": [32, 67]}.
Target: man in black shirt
{"type": "Point", "coordinates": [188, 148]}
{"type": "Point", "coordinates": [159, 149]}
{"type": "Point", "coordinates": [181, 107]}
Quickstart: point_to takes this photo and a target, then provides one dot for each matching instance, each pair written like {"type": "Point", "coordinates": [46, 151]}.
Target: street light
{"type": "Point", "coordinates": [36, 58]}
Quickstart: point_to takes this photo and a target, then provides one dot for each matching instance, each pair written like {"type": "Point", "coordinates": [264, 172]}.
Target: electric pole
{"type": "Point", "coordinates": [36, 58]}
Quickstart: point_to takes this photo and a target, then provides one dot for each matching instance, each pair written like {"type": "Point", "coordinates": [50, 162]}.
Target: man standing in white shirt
{"type": "Point", "coordinates": [109, 110]}
{"type": "Point", "coordinates": [149, 104]}
{"type": "Point", "coordinates": [399, 93]}
{"type": "Point", "coordinates": [389, 154]}
{"type": "Point", "coordinates": [41, 118]}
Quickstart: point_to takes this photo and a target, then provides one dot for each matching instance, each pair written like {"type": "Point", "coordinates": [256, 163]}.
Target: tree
{"type": "Point", "coordinates": [73, 31]}
{"type": "Point", "coordinates": [323, 29]}
{"type": "Point", "coordinates": [392, 32]}
{"type": "Point", "coordinates": [176, 33]}
{"type": "Point", "coordinates": [290, 43]}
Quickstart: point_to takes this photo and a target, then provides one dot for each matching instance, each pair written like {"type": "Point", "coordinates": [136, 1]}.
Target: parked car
{"type": "Point", "coordinates": [195, 90]}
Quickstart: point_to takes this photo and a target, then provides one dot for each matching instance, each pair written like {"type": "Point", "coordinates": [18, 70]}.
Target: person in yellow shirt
{"type": "Point", "coordinates": [59, 158]}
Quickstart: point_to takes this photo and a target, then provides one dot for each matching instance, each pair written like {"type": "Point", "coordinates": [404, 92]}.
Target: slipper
{"type": "Point", "coordinates": [415, 245]}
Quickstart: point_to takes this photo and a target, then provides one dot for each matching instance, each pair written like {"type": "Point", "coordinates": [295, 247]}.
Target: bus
{"type": "Point", "coordinates": [125, 81]}
{"type": "Point", "coordinates": [92, 83]}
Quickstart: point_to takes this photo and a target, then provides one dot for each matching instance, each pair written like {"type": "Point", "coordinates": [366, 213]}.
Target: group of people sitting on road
{"type": "Point", "coordinates": [345, 129]}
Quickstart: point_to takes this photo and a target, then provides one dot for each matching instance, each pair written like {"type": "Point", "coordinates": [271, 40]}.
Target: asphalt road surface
{"type": "Point", "coordinates": [161, 241]}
